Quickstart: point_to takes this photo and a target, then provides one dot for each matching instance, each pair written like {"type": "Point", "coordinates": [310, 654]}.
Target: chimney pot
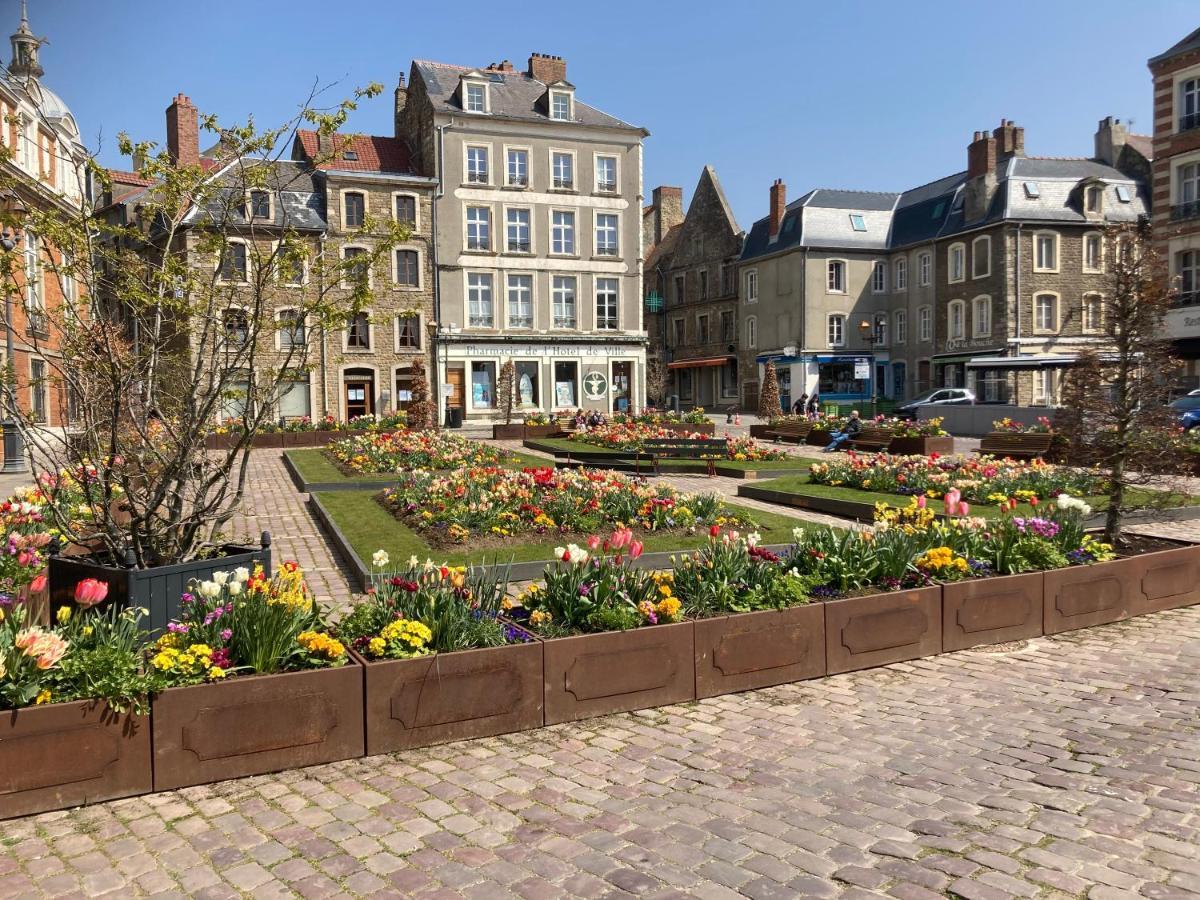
{"type": "Point", "coordinates": [183, 132]}
{"type": "Point", "coordinates": [778, 205]}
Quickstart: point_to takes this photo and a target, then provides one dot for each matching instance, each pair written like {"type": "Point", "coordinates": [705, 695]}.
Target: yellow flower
{"type": "Point", "coordinates": [215, 673]}
{"type": "Point", "coordinates": [377, 645]}
{"type": "Point", "coordinates": [43, 697]}
{"type": "Point", "coordinates": [63, 615]}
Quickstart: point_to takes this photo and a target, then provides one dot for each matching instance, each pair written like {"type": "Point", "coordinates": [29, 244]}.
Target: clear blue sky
{"type": "Point", "coordinates": [866, 95]}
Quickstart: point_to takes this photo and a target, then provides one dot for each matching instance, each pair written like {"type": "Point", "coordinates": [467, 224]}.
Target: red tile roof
{"type": "Point", "coordinates": [375, 152]}
{"type": "Point", "coordinates": [121, 177]}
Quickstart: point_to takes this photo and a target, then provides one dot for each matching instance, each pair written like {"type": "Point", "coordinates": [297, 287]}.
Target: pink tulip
{"type": "Point", "coordinates": [635, 549]}
{"type": "Point", "coordinates": [621, 538]}
{"type": "Point", "coordinates": [921, 502]}
{"type": "Point", "coordinates": [90, 591]}
{"type": "Point", "coordinates": [964, 508]}
{"type": "Point", "coordinates": [593, 542]}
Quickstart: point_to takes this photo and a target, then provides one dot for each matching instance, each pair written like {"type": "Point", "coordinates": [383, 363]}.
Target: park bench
{"type": "Point", "coordinates": [1019, 445]}
{"type": "Point", "coordinates": [652, 452]}
{"type": "Point", "coordinates": [872, 438]}
{"type": "Point", "coordinates": [565, 424]}
{"type": "Point", "coordinates": [791, 431]}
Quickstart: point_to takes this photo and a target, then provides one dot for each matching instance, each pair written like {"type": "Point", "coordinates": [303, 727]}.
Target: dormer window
{"type": "Point", "coordinates": [474, 97]}
{"type": "Point", "coordinates": [350, 155]}
{"type": "Point", "coordinates": [1093, 198]}
{"type": "Point", "coordinates": [260, 205]}
{"type": "Point", "coordinates": [560, 105]}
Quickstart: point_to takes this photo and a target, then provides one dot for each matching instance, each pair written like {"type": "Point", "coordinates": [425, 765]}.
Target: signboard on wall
{"type": "Point", "coordinates": [595, 385]}
{"type": "Point", "coordinates": [862, 368]}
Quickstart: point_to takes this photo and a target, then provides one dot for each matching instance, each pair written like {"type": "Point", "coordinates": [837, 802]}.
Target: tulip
{"type": "Point", "coordinates": [714, 530]}
{"type": "Point", "coordinates": [593, 542]}
{"type": "Point", "coordinates": [38, 584]}
{"type": "Point", "coordinates": [964, 508]}
{"type": "Point", "coordinates": [90, 591]}
{"type": "Point", "coordinates": [921, 502]}
{"type": "Point", "coordinates": [1033, 501]}
{"type": "Point", "coordinates": [635, 549]}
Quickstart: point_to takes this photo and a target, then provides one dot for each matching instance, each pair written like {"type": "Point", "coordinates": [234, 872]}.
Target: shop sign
{"type": "Point", "coordinates": [595, 385]}
{"type": "Point", "coordinates": [543, 350]}
{"type": "Point", "coordinates": [862, 368]}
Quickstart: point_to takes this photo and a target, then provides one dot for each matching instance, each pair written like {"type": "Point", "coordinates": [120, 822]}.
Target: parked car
{"type": "Point", "coordinates": [936, 397]}
{"type": "Point", "coordinates": [1188, 409]}
{"type": "Point", "coordinates": [1189, 419]}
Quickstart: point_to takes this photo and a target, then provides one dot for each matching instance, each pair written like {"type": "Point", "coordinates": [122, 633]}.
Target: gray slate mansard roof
{"type": "Point", "coordinates": [299, 195]}
{"type": "Point", "coordinates": [821, 219]}
{"type": "Point", "coordinates": [512, 95]}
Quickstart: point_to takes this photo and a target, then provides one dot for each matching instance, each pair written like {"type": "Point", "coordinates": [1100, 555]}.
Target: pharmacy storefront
{"type": "Point", "coordinates": [558, 377]}
{"type": "Point", "coordinates": [836, 377]}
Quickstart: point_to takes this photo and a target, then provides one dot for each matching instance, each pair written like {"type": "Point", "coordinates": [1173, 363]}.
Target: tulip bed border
{"type": "Point", "coordinates": [729, 468]}
{"type": "Point", "coordinates": [372, 707]}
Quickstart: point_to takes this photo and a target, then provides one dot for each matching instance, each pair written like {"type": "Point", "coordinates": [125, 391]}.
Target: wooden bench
{"type": "Point", "coordinates": [707, 449]}
{"type": "Point", "coordinates": [791, 431]}
{"type": "Point", "coordinates": [565, 424]}
{"type": "Point", "coordinates": [1018, 445]}
{"type": "Point", "coordinates": [872, 438]}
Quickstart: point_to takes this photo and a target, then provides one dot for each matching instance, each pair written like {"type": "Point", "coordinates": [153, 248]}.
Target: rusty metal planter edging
{"type": "Point", "coordinates": [751, 650]}
{"type": "Point", "coordinates": [880, 629]}
{"type": "Point", "coordinates": [992, 610]}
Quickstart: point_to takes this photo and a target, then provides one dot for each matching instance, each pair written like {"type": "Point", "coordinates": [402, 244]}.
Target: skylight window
{"type": "Point", "coordinates": [1123, 193]}
{"type": "Point", "coordinates": [788, 224]}
{"type": "Point", "coordinates": [350, 154]}
{"type": "Point", "coordinates": [937, 210]}
{"type": "Point", "coordinates": [1032, 191]}
{"type": "Point", "coordinates": [857, 222]}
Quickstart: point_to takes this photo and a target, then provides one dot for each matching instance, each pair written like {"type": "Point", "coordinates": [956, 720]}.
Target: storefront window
{"type": "Point", "coordinates": [838, 378]}
{"type": "Point", "coordinates": [293, 397]}
{"type": "Point", "coordinates": [622, 385]}
{"type": "Point", "coordinates": [565, 376]}
{"type": "Point", "coordinates": [483, 385]}
{"type": "Point", "coordinates": [528, 384]}
{"type": "Point", "coordinates": [729, 379]}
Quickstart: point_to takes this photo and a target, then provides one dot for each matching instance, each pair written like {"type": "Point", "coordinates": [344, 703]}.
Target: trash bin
{"type": "Point", "coordinates": [454, 417]}
{"type": "Point", "coordinates": [830, 409]}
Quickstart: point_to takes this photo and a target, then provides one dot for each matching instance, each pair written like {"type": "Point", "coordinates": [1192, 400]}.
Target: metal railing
{"type": "Point", "coordinates": [564, 183]}
{"type": "Point", "coordinates": [1188, 122]}
{"type": "Point", "coordinates": [1189, 210]}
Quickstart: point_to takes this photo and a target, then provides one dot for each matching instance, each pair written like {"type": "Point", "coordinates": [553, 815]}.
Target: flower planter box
{"type": "Point", "coordinates": [508, 432]}
{"type": "Point", "coordinates": [1169, 579]}
{"type": "Point", "coordinates": [537, 431]}
{"type": "Point", "coordinates": [922, 446]}
{"type": "Point", "coordinates": [311, 438]}
{"type": "Point", "coordinates": [256, 724]}
{"type": "Point", "coordinates": [879, 629]}
{"type": "Point", "coordinates": [68, 754]}
{"type": "Point", "coordinates": [760, 431]}
{"type": "Point", "coordinates": [689, 428]}
{"type": "Point", "coordinates": [157, 589]}
{"type": "Point", "coordinates": [759, 649]}
{"type": "Point", "coordinates": [1082, 596]}
{"type": "Point", "coordinates": [817, 438]}
{"type": "Point", "coordinates": [452, 696]}
{"type": "Point", "coordinates": [278, 439]}
{"type": "Point", "coordinates": [597, 674]}
{"type": "Point", "coordinates": [991, 610]}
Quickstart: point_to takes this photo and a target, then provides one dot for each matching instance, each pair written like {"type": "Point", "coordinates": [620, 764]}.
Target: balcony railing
{"type": "Point", "coordinates": [564, 321]}
{"type": "Point", "coordinates": [565, 184]}
{"type": "Point", "coordinates": [607, 323]}
{"type": "Point", "coordinates": [606, 250]}
{"type": "Point", "coordinates": [607, 187]}
{"type": "Point", "coordinates": [1187, 298]}
{"type": "Point", "coordinates": [1188, 122]}
{"type": "Point", "coordinates": [518, 246]}
{"type": "Point", "coordinates": [1190, 210]}
{"type": "Point", "coordinates": [520, 321]}
{"type": "Point", "coordinates": [477, 177]}
{"type": "Point", "coordinates": [518, 180]}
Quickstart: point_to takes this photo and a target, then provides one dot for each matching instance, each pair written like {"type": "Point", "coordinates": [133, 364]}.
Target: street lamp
{"type": "Point", "coordinates": [14, 456]}
{"type": "Point", "coordinates": [869, 336]}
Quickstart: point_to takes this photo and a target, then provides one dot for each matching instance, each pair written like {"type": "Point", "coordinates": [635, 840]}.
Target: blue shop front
{"type": "Point", "coordinates": [846, 377]}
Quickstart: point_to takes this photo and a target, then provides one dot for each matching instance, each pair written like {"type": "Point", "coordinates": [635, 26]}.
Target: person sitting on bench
{"type": "Point", "coordinates": [851, 430]}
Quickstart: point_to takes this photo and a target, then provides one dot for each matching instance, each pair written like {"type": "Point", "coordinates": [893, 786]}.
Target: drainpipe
{"type": "Point", "coordinates": [435, 376]}
{"type": "Point", "coordinates": [1017, 280]}
{"type": "Point", "coordinates": [324, 331]}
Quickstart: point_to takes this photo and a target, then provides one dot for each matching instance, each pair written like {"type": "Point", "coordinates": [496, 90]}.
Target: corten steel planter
{"type": "Point", "coordinates": [689, 428]}
{"type": "Point", "coordinates": [537, 431]}
{"type": "Point", "coordinates": [991, 610]}
{"type": "Point", "coordinates": [760, 431]}
{"type": "Point", "coordinates": [879, 629]}
{"type": "Point", "coordinates": [508, 432]}
{"type": "Point", "coordinates": [1082, 596]}
{"type": "Point", "coordinates": [817, 438]}
{"type": "Point", "coordinates": [157, 588]}
{"type": "Point", "coordinates": [597, 674]}
{"type": "Point", "coordinates": [921, 446]}
{"type": "Point", "coordinates": [68, 754]}
{"type": "Point", "coordinates": [759, 649]}
{"type": "Point", "coordinates": [452, 696]}
{"type": "Point", "coordinates": [254, 724]}
{"type": "Point", "coordinates": [1169, 579]}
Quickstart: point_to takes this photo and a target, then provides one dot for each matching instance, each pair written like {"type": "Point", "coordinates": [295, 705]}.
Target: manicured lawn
{"type": "Point", "coordinates": [369, 527]}
{"type": "Point", "coordinates": [316, 468]}
{"type": "Point", "coordinates": [797, 463]}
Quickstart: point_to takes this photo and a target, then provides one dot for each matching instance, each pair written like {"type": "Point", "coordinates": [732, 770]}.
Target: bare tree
{"type": "Point", "coordinates": [768, 397]}
{"type": "Point", "coordinates": [1114, 414]}
{"type": "Point", "coordinates": [656, 381]}
{"type": "Point", "coordinates": [505, 387]}
{"type": "Point", "coordinates": [420, 411]}
{"type": "Point", "coordinates": [199, 302]}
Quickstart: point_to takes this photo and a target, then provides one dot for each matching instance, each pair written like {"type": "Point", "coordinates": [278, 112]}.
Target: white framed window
{"type": "Point", "coordinates": [836, 330]}
{"type": "Point", "coordinates": [478, 168]}
{"type": "Point", "coordinates": [357, 268]}
{"type": "Point", "coordinates": [406, 269]}
{"type": "Point", "coordinates": [1093, 199]}
{"type": "Point", "coordinates": [562, 297]}
{"type": "Point", "coordinates": [606, 174]}
{"type": "Point", "coordinates": [1093, 252]}
{"type": "Point", "coordinates": [881, 329]}
{"type": "Point", "coordinates": [879, 277]}
{"type": "Point", "coordinates": [406, 210]}
{"type": "Point", "coordinates": [702, 333]}
{"type": "Point", "coordinates": [39, 395]}
{"type": "Point", "coordinates": [900, 274]}
{"type": "Point", "coordinates": [924, 269]}
{"type": "Point", "coordinates": [358, 332]}
{"type": "Point", "coordinates": [1187, 268]}
{"type": "Point", "coordinates": [475, 97]}
{"type": "Point", "coordinates": [479, 228]}
{"type": "Point", "coordinates": [289, 330]}
{"type": "Point", "coordinates": [981, 257]}
{"type": "Point", "coordinates": [35, 288]}
{"type": "Point", "coordinates": [956, 315]}
{"type": "Point", "coordinates": [1045, 251]}
{"type": "Point", "coordinates": [67, 279]}
{"type": "Point", "coordinates": [956, 262]}
{"type": "Point", "coordinates": [480, 308]}
{"type": "Point", "coordinates": [925, 324]}
{"type": "Point", "coordinates": [981, 317]}
{"type": "Point", "coordinates": [293, 397]}
{"type": "Point", "coordinates": [408, 333]}
{"type": "Point", "coordinates": [1189, 104]}
{"type": "Point", "coordinates": [560, 106]}
{"type": "Point", "coordinates": [562, 232]}
{"type": "Point", "coordinates": [1045, 387]}
{"type": "Point", "coordinates": [259, 206]}
{"type": "Point", "coordinates": [752, 332]}
{"type": "Point", "coordinates": [483, 384]}
{"type": "Point", "coordinates": [835, 276]}
{"type": "Point", "coordinates": [1045, 312]}
{"type": "Point", "coordinates": [1092, 318]}
{"type": "Point", "coordinates": [516, 168]}
{"type": "Point", "coordinates": [1187, 182]}
{"type": "Point", "coordinates": [857, 222]}
{"type": "Point", "coordinates": [518, 230]}
{"type": "Point", "coordinates": [354, 209]}
{"type": "Point", "coordinates": [562, 170]}
{"type": "Point", "coordinates": [234, 265]}
{"type": "Point", "coordinates": [752, 286]}
{"type": "Point", "coordinates": [607, 304]}
{"type": "Point", "coordinates": [900, 325]}
{"type": "Point", "coordinates": [520, 301]}
{"type": "Point", "coordinates": [606, 234]}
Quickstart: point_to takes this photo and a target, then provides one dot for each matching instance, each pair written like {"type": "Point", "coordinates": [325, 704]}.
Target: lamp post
{"type": "Point", "coordinates": [14, 456]}
{"type": "Point", "coordinates": [869, 337]}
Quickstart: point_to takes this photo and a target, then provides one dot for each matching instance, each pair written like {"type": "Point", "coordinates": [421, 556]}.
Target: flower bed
{"type": "Point", "coordinates": [490, 505]}
{"type": "Point", "coordinates": [398, 451]}
{"type": "Point", "coordinates": [652, 416]}
{"type": "Point", "coordinates": [982, 480]}
{"type": "Point", "coordinates": [631, 436]}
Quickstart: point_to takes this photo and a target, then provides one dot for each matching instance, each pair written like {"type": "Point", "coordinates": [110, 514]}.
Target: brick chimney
{"type": "Point", "coordinates": [1111, 137]}
{"type": "Point", "coordinates": [183, 132]}
{"type": "Point", "coordinates": [778, 205]}
{"type": "Point", "coordinates": [667, 205]}
{"type": "Point", "coordinates": [1010, 139]}
{"type": "Point", "coordinates": [503, 66]}
{"type": "Point", "coordinates": [981, 155]}
{"type": "Point", "coordinates": [547, 69]}
{"type": "Point", "coordinates": [981, 176]}
{"type": "Point", "coordinates": [401, 102]}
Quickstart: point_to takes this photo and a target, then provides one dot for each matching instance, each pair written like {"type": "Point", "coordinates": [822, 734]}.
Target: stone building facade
{"type": "Point", "coordinates": [539, 237]}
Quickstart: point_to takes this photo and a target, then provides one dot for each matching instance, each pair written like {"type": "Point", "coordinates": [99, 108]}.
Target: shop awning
{"type": "Point", "coordinates": [1047, 361]}
{"type": "Point", "coordinates": [699, 363]}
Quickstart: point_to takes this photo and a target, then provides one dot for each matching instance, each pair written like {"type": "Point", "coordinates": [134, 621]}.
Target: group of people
{"type": "Point", "coordinates": [811, 408]}
{"type": "Point", "coordinates": [590, 419]}
{"type": "Point", "coordinates": [807, 406]}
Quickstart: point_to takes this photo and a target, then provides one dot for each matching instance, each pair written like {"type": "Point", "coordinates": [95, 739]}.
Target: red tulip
{"type": "Point", "coordinates": [90, 591]}
{"type": "Point", "coordinates": [714, 530]}
{"type": "Point", "coordinates": [1033, 501]}
{"type": "Point", "coordinates": [38, 584]}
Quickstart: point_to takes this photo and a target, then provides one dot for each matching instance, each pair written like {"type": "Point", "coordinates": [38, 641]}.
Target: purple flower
{"type": "Point", "coordinates": [177, 627]}
{"type": "Point", "coordinates": [226, 634]}
{"type": "Point", "coordinates": [584, 589]}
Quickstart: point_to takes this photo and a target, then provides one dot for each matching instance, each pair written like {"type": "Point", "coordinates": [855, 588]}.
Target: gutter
{"type": "Point", "coordinates": [439, 411]}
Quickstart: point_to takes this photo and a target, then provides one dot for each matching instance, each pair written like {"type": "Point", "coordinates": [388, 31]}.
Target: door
{"type": "Point", "coordinates": [360, 399]}
{"type": "Point", "coordinates": [454, 377]}
{"type": "Point", "coordinates": [621, 388]}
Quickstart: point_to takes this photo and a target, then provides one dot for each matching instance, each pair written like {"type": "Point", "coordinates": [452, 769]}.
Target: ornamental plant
{"type": "Point", "coordinates": [733, 574]}
{"type": "Point", "coordinates": [1043, 425]}
{"type": "Point", "coordinates": [598, 588]}
{"type": "Point", "coordinates": [427, 608]}
{"type": "Point", "coordinates": [917, 428]}
{"type": "Point", "coordinates": [379, 453]}
{"type": "Point", "coordinates": [244, 622]}
{"type": "Point", "coordinates": [456, 507]}
{"type": "Point", "coordinates": [633, 436]}
{"type": "Point", "coordinates": [538, 417]}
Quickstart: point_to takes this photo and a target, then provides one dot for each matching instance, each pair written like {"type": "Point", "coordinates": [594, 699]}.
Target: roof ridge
{"type": "Point", "coordinates": [1064, 158]}
{"type": "Point", "coordinates": [934, 181]}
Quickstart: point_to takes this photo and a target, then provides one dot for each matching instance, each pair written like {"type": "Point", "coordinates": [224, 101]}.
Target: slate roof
{"type": "Point", "coordinates": [299, 195]}
{"type": "Point", "coordinates": [1191, 42]}
{"type": "Point", "coordinates": [512, 95]}
{"type": "Point", "coordinates": [371, 152]}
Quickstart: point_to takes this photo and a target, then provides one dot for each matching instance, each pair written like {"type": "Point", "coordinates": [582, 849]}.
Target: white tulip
{"type": "Point", "coordinates": [220, 577]}
{"type": "Point", "coordinates": [209, 589]}
{"type": "Point", "coordinates": [241, 573]}
{"type": "Point", "coordinates": [379, 559]}
{"type": "Point", "coordinates": [234, 588]}
{"type": "Point", "coordinates": [753, 538]}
